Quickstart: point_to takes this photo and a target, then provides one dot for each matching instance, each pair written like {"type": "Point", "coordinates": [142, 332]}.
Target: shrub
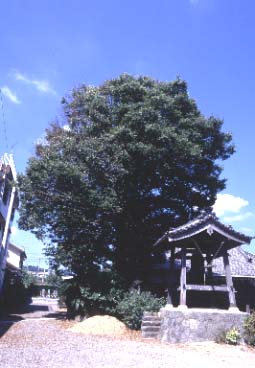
{"type": "Point", "coordinates": [128, 306]}
{"type": "Point", "coordinates": [231, 336]}
{"type": "Point", "coordinates": [28, 279]}
{"type": "Point", "coordinates": [85, 301]}
{"type": "Point", "coordinates": [130, 309]}
{"type": "Point", "coordinates": [53, 280]}
{"type": "Point", "coordinates": [249, 329]}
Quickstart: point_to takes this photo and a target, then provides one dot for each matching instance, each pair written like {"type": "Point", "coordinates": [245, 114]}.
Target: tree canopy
{"type": "Point", "coordinates": [133, 157]}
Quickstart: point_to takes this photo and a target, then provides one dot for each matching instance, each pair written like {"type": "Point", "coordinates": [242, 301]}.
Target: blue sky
{"type": "Point", "coordinates": [49, 47]}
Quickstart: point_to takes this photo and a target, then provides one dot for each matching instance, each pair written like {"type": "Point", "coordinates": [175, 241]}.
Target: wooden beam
{"type": "Point", "coordinates": [231, 290]}
{"type": "Point", "coordinates": [171, 278]}
{"type": "Point", "coordinates": [183, 279]}
{"type": "Point", "coordinates": [195, 287]}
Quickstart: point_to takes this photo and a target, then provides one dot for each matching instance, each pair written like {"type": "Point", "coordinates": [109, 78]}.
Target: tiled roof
{"type": "Point", "coordinates": [209, 223]}
{"type": "Point", "coordinates": [242, 263]}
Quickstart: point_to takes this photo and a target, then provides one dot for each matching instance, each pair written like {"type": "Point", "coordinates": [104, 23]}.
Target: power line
{"type": "Point", "coordinates": [4, 120]}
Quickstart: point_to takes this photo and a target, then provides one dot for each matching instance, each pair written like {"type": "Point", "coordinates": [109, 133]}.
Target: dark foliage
{"type": "Point", "coordinates": [135, 157]}
{"type": "Point", "coordinates": [86, 301]}
{"type": "Point", "coordinates": [249, 330]}
{"type": "Point", "coordinates": [130, 309]}
{"type": "Point", "coordinates": [16, 291]}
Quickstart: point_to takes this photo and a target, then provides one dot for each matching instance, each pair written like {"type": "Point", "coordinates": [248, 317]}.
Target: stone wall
{"type": "Point", "coordinates": [190, 325]}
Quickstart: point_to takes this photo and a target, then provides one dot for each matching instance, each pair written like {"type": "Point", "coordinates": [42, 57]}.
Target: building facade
{"type": "Point", "coordinates": [8, 204]}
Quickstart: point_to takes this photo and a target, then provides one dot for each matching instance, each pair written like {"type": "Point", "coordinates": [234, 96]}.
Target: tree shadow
{"type": "Point", "coordinates": [13, 314]}
{"type": "Point", "coordinates": [7, 323]}
{"type": "Point", "coordinates": [57, 315]}
{"type": "Point", "coordinates": [30, 308]}
{"type": "Point", "coordinates": [23, 311]}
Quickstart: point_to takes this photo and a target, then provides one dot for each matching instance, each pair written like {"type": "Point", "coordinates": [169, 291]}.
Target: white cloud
{"type": "Point", "coordinates": [228, 203]}
{"type": "Point", "coordinates": [43, 86]}
{"type": "Point", "coordinates": [240, 217]}
{"type": "Point", "coordinates": [10, 95]}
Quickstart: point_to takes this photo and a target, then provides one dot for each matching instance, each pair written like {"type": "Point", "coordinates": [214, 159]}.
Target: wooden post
{"type": "Point", "coordinates": [171, 278]}
{"type": "Point", "coordinates": [209, 279]}
{"type": "Point", "coordinates": [231, 290]}
{"type": "Point", "coordinates": [183, 279]}
{"type": "Point", "coordinates": [209, 269]}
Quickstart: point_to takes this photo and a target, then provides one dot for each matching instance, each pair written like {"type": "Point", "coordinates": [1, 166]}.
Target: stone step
{"type": "Point", "coordinates": [150, 328]}
{"type": "Point", "coordinates": [151, 323]}
{"type": "Point", "coordinates": [149, 335]}
{"type": "Point", "coordinates": [151, 314]}
{"type": "Point", "coordinates": [151, 318]}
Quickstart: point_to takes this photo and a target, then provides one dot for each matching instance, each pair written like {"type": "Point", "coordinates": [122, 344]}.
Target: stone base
{"type": "Point", "coordinates": [195, 324]}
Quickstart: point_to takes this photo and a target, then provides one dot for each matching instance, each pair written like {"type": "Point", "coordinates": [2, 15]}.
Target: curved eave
{"type": "Point", "coordinates": [210, 228]}
{"type": "Point", "coordinates": [209, 223]}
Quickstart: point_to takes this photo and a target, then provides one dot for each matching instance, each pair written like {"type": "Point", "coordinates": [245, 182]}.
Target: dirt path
{"type": "Point", "coordinates": [46, 342]}
{"type": "Point", "coordinates": [39, 308]}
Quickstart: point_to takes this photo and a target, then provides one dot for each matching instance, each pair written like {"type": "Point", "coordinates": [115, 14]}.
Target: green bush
{"type": "Point", "coordinates": [110, 299]}
{"type": "Point", "coordinates": [53, 280]}
{"type": "Point", "coordinates": [130, 309]}
{"type": "Point", "coordinates": [28, 279]}
{"type": "Point", "coordinates": [85, 301]}
{"type": "Point", "coordinates": [231, 336]}
{"type": "Point", "coordinates": [249, 330]}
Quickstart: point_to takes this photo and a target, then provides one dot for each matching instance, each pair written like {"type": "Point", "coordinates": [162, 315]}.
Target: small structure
{"type": "Point", "coordinates": [195, 247]}
{"type": "Point", "coordinates": [201, 242]}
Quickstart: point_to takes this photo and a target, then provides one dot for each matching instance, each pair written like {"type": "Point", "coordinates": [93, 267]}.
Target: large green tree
{"type": "Point", "coordinates": [132, 158]}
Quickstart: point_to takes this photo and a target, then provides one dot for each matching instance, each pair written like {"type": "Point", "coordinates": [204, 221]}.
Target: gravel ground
{"type": "Point", "coordinates": [44, 342]}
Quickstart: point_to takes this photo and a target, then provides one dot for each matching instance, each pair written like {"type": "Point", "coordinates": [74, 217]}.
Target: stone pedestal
{"type": "Point", "coordinates": [179, 325]}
